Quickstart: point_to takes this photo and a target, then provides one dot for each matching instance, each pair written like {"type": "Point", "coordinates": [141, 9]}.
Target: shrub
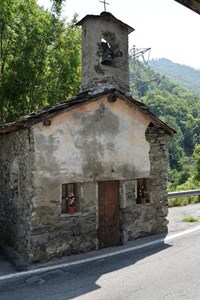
{"type": "Point", "coordinates": [190, 219]}
{"type": "Point", "coordinates": [183, 201]}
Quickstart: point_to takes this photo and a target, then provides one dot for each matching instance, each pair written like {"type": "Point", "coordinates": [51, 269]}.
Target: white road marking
{"type": "Point", "coordinates": [97, 257]}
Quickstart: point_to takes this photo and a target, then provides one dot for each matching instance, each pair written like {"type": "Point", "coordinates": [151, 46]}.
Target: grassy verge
{"type": "Point", "coordinates": [183, 201]}
{"type": "Point", "coordinates": [190, 219]}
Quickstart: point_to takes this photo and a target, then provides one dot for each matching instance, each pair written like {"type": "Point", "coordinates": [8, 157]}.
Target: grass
{"type": "Point", "coordinates": [183, 201]}
{"type": "Point", "coordinates": [190, 219]}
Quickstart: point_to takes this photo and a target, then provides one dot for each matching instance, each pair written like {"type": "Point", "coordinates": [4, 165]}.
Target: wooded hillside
{"type": "Point", "coordinates": [181, 74]}
{"type": "Point", "coordinates": [175, 105]}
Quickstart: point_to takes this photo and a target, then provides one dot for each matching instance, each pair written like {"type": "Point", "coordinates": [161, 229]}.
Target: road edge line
{"type": "Point", "coordinates": [101, 256]}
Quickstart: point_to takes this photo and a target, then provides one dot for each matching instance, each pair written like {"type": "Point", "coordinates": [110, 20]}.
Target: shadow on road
{"type": "Point", "coordinates": [74, 281]}
{"type": "Point", "coordinates": [93, 271]}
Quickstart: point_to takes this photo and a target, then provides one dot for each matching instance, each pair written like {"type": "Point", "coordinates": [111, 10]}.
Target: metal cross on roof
{"type": "Point", "coordinates": [104, 2]}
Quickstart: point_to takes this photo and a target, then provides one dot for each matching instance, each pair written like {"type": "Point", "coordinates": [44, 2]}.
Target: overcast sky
{"type": "Point", "coordinates": [168, 28]}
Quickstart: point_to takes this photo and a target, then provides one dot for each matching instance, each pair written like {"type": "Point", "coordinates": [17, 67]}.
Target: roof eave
{"type": "Point", "coordinates": [84, 97]}
{"type": "Point", "coordinates": [105, 15]}
{"type": "Point", "coordinates": [191, 4]}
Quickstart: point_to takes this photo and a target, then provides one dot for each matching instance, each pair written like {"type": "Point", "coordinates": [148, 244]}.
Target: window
{"type": "Point", "coordinates": [70, 198]}
{"type": "Point", "coordinates": [142, 190]}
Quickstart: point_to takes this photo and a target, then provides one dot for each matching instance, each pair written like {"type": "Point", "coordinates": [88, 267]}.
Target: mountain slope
{"type": "Point", "coordinates": [175, 105]}
{"type": "Point", "coordinates": [181, 74]}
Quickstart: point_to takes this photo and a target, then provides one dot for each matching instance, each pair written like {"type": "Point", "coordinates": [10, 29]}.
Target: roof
{"type": "Point", "coordinates": [84, 97]}
{"type": "Point", "coordinates": [106, 16]}
{"type": "Point", "coordinates": [192, 4]}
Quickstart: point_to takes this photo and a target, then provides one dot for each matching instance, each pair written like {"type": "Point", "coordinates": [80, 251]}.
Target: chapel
{"type": "Point", "coordinates": [89, 172]}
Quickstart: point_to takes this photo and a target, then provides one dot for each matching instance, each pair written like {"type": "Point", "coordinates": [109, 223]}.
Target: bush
{"type": "Point", "coordinates": [183, 201]}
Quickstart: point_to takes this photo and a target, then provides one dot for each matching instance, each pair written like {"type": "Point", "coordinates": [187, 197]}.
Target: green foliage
{"type": "Point", "coordinates": [177, 202]}
{"type": "Point", "coordinates": [181, 74]}
{"type": "Point", "coordinates": [192, 182]}
{"type": "Point", "coordinates": [40, 58]}
{"type": "Point", "coordinates": [183, 201]}
{"type": "Point", "coordinates": [179, 108]}
{"type": "Point", "coordinates": [190, 219]}
{"type": "Point", "coordinates": [57, 6]}
{"type": "Point", "coordinates": [197, 163]}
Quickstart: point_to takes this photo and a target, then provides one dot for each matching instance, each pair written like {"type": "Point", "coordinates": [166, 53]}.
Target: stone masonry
{"type": "Point", "coordinates": [16, 190]}
{"type": "Point", "coordinates": [140, 220]}
{"type": "Point", "coordinates": [54, 234]}
{"type": "Point", "coordinates": [32, 218]}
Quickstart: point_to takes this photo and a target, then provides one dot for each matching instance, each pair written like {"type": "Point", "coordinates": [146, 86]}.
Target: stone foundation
{"type": "Point", "coordinates": [73, 234]}
{"type": "Point", "coordinates": [54, 234]}
{"type": "Point", "coordinates": [142, 220]}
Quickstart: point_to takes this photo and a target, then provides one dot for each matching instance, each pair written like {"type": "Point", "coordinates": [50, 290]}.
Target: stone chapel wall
{"type": "Point", "coordinates": [140, 220]}
{"type": "Point", "coordinates": [92, 143]}
{"type": "Point", "coordinates": [16, 165]}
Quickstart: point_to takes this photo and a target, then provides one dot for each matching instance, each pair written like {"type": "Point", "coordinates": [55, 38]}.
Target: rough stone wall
{"type": "Point", "coordinates": [159, 165]}
{"type": "Point", "coordinates": [31, 216]}
{"type": "Point", "coordinates": [140, 220]}
{"type": "Point", "coordinates": [53, 233]}
{"type": "Point", "coordinates": [16, 165]}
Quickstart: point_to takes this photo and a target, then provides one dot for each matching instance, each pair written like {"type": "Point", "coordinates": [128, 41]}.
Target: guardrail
{"type": "Point", "coordinates": [183, 194]}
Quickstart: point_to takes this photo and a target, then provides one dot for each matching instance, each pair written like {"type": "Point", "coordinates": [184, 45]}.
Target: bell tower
{"type": "Point", "coordinates": [104, 52]}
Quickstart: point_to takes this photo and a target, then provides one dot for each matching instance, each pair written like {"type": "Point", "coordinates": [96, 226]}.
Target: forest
{"type": "Point", "coordinates": [179, 108]}
{"type": "Point", "coordinates": [181, 74]}
{"type": "Point", "coordinates": [40, 65]}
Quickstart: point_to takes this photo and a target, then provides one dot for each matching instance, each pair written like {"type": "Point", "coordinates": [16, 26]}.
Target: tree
{"type": "Point", "coordinates": [40, 58]}
{"type": "Point", "coordinates": [196, 156]}
{"type": "Point", "coordinates": [57, 6]}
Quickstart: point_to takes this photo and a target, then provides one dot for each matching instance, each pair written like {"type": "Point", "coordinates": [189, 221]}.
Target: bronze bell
{"type": "Point", "coordinates": [107, 54]}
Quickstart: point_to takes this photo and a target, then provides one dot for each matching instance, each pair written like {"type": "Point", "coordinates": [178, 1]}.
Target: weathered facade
{"type": "Point", "coordinates": [105, 147]}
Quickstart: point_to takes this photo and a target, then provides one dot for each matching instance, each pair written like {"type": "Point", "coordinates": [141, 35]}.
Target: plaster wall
{"type": "Point", "coordinates": [95, 141]}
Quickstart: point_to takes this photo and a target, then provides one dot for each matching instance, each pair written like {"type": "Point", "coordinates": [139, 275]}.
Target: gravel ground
{"type": "Point", "coordinates": [176, 214]}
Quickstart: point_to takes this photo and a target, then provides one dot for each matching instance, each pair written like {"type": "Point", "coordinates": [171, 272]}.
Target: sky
{"type": "Point", "coordinates": [168, 28]}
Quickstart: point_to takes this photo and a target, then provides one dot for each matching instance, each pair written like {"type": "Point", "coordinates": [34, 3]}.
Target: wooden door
{"type": "Point", "coordinates": [109, 228]}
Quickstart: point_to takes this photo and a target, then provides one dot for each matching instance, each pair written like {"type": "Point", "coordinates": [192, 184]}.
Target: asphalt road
{"type": "Point", "coordinates": [166, 270]}
{"type": "Point", "coordinates": [163, 271]}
